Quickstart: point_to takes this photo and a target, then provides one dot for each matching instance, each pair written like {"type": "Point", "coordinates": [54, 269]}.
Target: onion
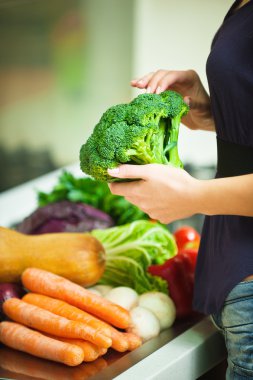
{"type": "Point", "coordinates": [161, 305]}
{"type": "Point", "coordinates": [9, 290]}
{"type": "Point", "coordinates": [123, 296]}
{"type": "Point", "coordinates": [143, 323]}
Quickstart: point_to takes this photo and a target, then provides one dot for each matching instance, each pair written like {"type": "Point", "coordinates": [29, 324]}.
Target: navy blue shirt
{"type": "Point", "coordinates": [226, 250]}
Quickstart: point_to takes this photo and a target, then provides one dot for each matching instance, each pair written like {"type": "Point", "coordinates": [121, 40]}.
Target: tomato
{"type": "Point", "coordinates": [187, 237]}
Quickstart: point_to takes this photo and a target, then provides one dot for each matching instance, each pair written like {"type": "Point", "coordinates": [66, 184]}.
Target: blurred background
{"type": "Point", "coordinates": [64, 62]}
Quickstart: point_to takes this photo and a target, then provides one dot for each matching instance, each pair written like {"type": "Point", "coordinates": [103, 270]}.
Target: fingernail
{"type": "Point", "coordinates": [148, 91]}
{"type": "Point", "coordinates": [158, 90]}
{"type": "Point", "coordinates": [113, 171]}
{"type": "Point", "coordinates": [140, 81]}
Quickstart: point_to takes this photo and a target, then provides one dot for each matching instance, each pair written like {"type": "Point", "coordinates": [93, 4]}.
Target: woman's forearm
{"type": "Point", "coordinates": [226, 196]}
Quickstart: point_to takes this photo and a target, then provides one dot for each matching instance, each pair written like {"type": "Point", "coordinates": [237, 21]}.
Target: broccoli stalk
{"type": "Point", "coordinates": [150, 149]}
{"type": "Point", "coordinates": [143, 131]}
{"type": "Point", "coordinates": [172, 146]}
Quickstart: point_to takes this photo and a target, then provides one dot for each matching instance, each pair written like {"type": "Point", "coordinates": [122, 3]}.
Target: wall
{"type": "Point", "coordinates": [62, 64]}
{"type": "Point", "coordinates": [177, 35]}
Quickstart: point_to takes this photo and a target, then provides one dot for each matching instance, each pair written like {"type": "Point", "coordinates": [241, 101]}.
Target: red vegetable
{"type": "Point", "coordinates": [190, 255]}
{"type": "Point", "coordinates": [9, 290]}
{"type": "Point", "coordinates": [179, 274]}
{"type": "Point", "coordinates": [187, 237]}
{"type": "Point", "coordinates": [65, 216]}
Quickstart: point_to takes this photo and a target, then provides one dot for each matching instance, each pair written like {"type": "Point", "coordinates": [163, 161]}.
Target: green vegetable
{"type": "Point", "coordinates": [141, 132]}
{"type": "Point", "coordinates": [94, 193]}
{"type": "Point", "coordinates": [131, 249]}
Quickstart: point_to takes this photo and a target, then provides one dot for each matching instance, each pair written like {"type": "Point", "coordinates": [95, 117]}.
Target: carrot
{"type": "Point", "coordinates": [52, 285]}
{"type": "Point", "coordinates": [134, 341]}
{"type": "Point", "coordinates": [98, 332]}
{"type": "Point", "coordinates": [123, 341]}
{"type": "Point", "coordinates": [120, 340]}
{"type": "Point", "coordinates": [28, 367]}
{"type": "Point", "coordinates": [90, 350]}
{"type": "Point", "coordinates": [43, 320]}
{"type": "Point", "coordinates": [24, 339]}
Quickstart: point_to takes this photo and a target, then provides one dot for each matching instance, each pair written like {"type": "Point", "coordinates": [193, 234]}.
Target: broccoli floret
{"type": "Point", "coordinates": [141, 132]}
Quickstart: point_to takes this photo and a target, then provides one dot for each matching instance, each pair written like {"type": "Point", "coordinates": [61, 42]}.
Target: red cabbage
{"type": "Point", "coordinates": [64, 216]}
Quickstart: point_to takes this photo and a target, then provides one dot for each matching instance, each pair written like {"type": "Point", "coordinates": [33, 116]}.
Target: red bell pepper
{"type": "Point", "coordinates": [179, 274]}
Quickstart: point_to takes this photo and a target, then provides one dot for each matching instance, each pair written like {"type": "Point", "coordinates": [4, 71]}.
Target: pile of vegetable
{"type": "Point", "coordinates": [59, 320]}
{"type": "Point", "coordinates": [143, 131]}
{"type": "Point", "coordinates": [113, 287]}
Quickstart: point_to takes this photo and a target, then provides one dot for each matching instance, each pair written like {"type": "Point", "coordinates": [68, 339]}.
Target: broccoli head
{"type": "Point", "coordinates": [143, 131]}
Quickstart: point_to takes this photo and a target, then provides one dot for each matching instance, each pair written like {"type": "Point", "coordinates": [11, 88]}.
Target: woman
{"type": "Point", "coordinates": [224, 275]}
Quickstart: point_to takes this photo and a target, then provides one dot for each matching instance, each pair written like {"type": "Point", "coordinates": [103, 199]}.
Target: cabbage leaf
{"type": "Point", "coordinates": [131, 249]}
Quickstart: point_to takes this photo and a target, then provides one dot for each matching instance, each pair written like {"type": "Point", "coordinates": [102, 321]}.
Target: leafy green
{"type": "Point", "coordinates": [131, 249]}
{"type": "Point", "coordinates": [94, 193]}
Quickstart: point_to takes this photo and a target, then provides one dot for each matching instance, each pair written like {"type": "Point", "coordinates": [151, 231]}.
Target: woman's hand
{"type": "Point", "coordinates": [189, 85]}
{"type": "Point", "coordinates": [166, 193]}
{"type": "Point", "coordinates": [163, 192]}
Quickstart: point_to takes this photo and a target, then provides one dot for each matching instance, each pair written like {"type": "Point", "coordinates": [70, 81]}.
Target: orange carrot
{"type": "Point", "coordinates": [43, 320]}
{"type": "Point", "coordinates": [24, 339]}
{"type": "Point", "coordinates": [134, 341]}
{"type": "Point", "coordinates": [120, 340]}
{"type": "Point", "coordinates": [98, 331]}
{"type": "Point", "coordinates": [24, 366]}
{"type": "Point", "coordinates": [123, 341]}
{"type": "Point", "coordinates": [52, 285]}
{"type": "Point", "coordinates": [90, 350]}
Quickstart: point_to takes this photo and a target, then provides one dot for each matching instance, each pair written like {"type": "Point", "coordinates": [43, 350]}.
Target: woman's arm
{"type": "Point", "coordinates": [189, 85]}
{"type": "Point", "coordinates": [227, 196]}
{"type": "Point", "coordinates": [167, 194]}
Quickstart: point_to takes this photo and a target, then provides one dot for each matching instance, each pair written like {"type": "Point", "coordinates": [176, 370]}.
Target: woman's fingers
{"type": "Point", "coordinates": [130, 171]}
{"type": "Point", "coordinates": [138, 173]}
{"type": "Point", "coordinates": [142, 82]}
{"type": "Point", "coordinates": [161, 80]}
{"type": "Point", "coordinates": [156, 83]}
{"type": "Point", "coordinates": [151, 82]}
{"type": "Point", "coordinates": [129, 190]}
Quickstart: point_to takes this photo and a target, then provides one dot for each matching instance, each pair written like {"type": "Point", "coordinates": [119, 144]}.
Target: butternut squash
{"type": "Point", "coordinates": [78, 257]}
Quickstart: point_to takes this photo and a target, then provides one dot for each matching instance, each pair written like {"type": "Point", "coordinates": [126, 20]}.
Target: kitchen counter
{"type": "Point", "coordinates": [184, 352]}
